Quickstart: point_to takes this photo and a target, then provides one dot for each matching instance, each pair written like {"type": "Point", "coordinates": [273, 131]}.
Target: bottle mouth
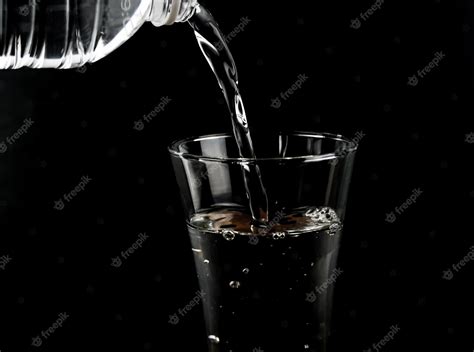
{"type": "Point", "coordinates": [165, 13]}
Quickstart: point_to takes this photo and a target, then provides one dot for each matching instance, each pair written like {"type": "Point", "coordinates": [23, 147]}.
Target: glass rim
{"type": "Point", "coordinates": [352, 146]}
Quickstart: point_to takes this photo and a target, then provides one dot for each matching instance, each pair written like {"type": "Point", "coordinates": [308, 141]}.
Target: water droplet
{"type": "Point", "coordinates": [206, 261]}
{"type": "Point", "coordinates": [278, 235]}
{"type": "Point", "coordinates": [245, 270]}
{"type": "Point", "coordinates": [234, 284]}
{"type": "Point", "coordinates": [214, 339]}
{"type": "Point", "coordinates": [229, 235]}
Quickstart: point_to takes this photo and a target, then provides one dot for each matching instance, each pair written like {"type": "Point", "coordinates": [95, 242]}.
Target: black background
{"type": "Point", "coordinates": [416, 137]}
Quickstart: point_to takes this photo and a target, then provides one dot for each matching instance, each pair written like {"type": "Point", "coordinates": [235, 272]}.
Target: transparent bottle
{"type": "Point", "coordinates": [70, 33]}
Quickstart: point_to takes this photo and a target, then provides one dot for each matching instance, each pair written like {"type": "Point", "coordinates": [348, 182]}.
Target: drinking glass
{"type": "Point", "coordinates": [266, 288]}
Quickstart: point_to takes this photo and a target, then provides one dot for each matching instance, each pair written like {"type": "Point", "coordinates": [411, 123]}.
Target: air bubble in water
{"type": "Point", "coordinates": [278, 235]}
{"type": "Point", "coordinates": [322, 215]}
{"type": "Point", "coordinates": [234, 284]}
{"type": "Point", "coordinates": [213, 339]}
{"type": "Point", "coordinates": [313, 212]}
{"type": "Point", "coordinates": [245, 270]}
{"type": "Point", "coordinates": [206, 261]}
{"type": "Point", "coordinates": [325, 217]}
{"type": "Point", "coordinates": [334, 228]}
{"type": "Point", "coordinates": [229, 235]}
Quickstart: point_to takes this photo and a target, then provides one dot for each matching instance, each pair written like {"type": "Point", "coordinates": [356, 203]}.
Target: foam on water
{"type": "Point", "coordinates": [231, 222]}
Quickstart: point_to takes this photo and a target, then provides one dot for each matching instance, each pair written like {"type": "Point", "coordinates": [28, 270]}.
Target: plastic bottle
{"type": "Point", "coordinates": [70, 33]}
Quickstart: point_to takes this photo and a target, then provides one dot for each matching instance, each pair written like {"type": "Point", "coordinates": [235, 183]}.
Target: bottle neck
{"type": "Point", "coordinates": [167, 12]}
